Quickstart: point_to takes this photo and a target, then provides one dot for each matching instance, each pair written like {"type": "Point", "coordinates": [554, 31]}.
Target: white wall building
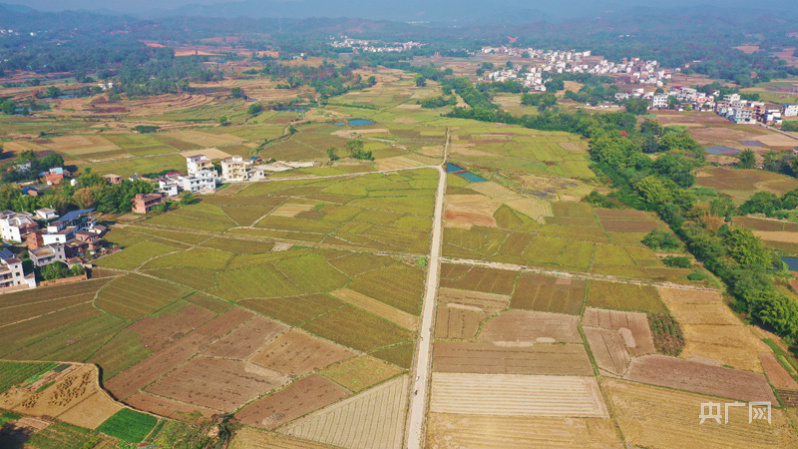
{"type": "Point", "coordinates": [789, 110]}
{"type": "Point", "coordinates": [15, 226]}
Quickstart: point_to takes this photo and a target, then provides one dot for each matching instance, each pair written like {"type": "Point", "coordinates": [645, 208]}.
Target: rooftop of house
{"type": "Point", "coordinates": [44, 251]}
{"type": "Point", "coordinates": [74, 215]}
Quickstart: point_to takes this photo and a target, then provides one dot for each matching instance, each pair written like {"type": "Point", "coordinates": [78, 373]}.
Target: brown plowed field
{"type": "Point", "coordinates": [657, 417]}
{"type": "Point", "coordinates": [298, 399]}
{"type": "Point", "coordinates": [700, 378]}
{"type": "Point", "coordinates": [159, 332]}
{"type": "Point", "coordinates": [777, 375]}
{"type": "Point", "coordinates": [516, 395]}
{"type": "Point", "coordinates": [156, 365]}
{"type": "Point", "coordinates": [628, 225]}
{"type": "Point", "coordinates": [462, 357]}
{"type": "Point", "coordinates": [169, 407]}
{"type": "Point", "coordinates": [449, 431]}
{"type": "Point", "coordinates": [220, 384]}
{"type": "Point", "coordinates": [608, 349]}
{"type": "Point", "coordinates": [458, 322]}
{"type": "Point", "coordinates": [635, 322]}
{"type": "Point", "coordinates": [246, 339]}
{"type": "Point", "coordinates": [788, 397]}
{"type": "Point", "coordinates": [470, 218]}
{"type": "Point", "coordinates": [297, 353]}
{"type": "Point", "coordinates": [548, 294]}
{"type": "Point", "coordinates": [522, 325]}
{"type": "Point", "coordinates": [488, 302]}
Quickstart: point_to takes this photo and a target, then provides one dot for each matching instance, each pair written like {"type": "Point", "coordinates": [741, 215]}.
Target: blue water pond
{"type": "Point", "coordinates": [360, 122]}
{"type": "Point", "coordinates": [726, 151]}
{"type": "Point", "coordinates": [792, 263]}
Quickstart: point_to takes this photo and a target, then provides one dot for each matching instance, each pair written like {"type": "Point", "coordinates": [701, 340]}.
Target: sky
{"type": "Point", "coordinates": [137, 7]}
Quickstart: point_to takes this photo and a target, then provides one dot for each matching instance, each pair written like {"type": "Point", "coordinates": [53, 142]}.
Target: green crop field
{"type": "Point", "coordinates": [119, 353]}
{"type": "Point", "coordinates": [14, 373]}
{"type": "Point", "coordinates": [399, 286]}
{"type": "Point", "coordinates": [209, 259]}
{"type": "Point", "coordinates": [358, 329]}
{"type": "Point", "coordinates": [128, 425]}
{"type": "Point", "coordinates": [295, 310]}
{"type": "Point", "coordinates": [614, 295]}
{"type": "Point", "coordinates": [61, 436]}
{"type": "Point", "coordinates": [135, 296]}
{"type": "Point", "coordinates": [135, 255]}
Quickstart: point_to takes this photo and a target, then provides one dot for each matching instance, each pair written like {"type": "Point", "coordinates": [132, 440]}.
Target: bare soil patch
{"type": "Point", "coordinates": [459, 322]}
{"type": "Point", "coordinates": [298, 399]}
{"type": "Point", "coordinates": [777, 375]}
{"type": "Point", "coordinates": [490, 358]}
{"type": "Point", "coordinates": [523, 325]}
{"type": "Point", "coordinates": [470, 218]}
{"type": "Point", "coordinates": [297, 353]}
{"type": "Point", "coordinates": [246, 339]}
{"type": "Point", "coordinates": [158, 332]}
{"type": "Point", "coordinates": [608, 349]}
{"type": "Point", "coordinates": [158, 364]}
{"type": "Point", "coordinates": [220, 384]}
{"type": "Point", "coordinates": [700, 378]}
{"type": "Point", "coordinates": [638, 342]}
{"type": "Point", "coordinates": [169, 407]}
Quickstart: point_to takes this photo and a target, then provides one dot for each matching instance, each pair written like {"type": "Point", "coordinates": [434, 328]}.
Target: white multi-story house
{"type": "Point", "coordinates": [235, 169]}
{"type": "Point", "coordinates": [659, 101]}
{"type": "Point", "coordinates": [200, 181]}
{"type": "Point", "coordinates": [63, 230]}
{"type": "Point", "coordinates": [11, 273]}
{"type": "Point", "coordinates": [15, 226]}
{"type": "Point", "coordinates": [789, 110]}
{"type": "Point", "coordinates": [195, 164]}
{"type": "Point", "coordinates": [48, 254]}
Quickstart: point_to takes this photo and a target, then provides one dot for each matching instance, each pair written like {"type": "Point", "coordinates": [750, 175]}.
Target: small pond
{"type": "Point", "coordinates": [339, 124]}
{"type": "Point", "coordinates": [360, 122]}
{"type": "Point", "coordinates": [451, 168]}
{"type": "Point", "coordinates": [726, 151]}
{"type": "Point", "coordinates": [472, 177]}
{"type": "Point", "coordinates": [792, 263]}
{"type": "Point", "coordinates": [295, 110]}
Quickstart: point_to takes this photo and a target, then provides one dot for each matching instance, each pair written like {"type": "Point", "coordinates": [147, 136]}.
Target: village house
{"type": "Point", "coordinates": [63, 230]}
{"type": "Point", "coordinates": [144, 202]}
{"type": "Point", "coordinates": [235, 169]}
{"type": "Point", "coordinates": [16, 226]}
{"type": "Point", "coordinates": [48, 254]}
{"type": "Point", "coordinates": [56, 175]}
{"type": "Point", "coordinates": [11, 274]}
{"type": "Point", "coordinates": [46, 214]}
{"type": "Point", "coordinates": [113, 179]}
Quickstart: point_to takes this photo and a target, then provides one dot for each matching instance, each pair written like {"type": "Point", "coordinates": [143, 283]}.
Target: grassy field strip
{"type": "Point", "coordinates": [378, 308]}
{"type": "Point", "coordinates": [347, 175]}
{"type": "Point", "coordinates": [574, 275]}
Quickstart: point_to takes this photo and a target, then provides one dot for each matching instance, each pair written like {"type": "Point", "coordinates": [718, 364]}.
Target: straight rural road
{"type": "Point", "coordinates": [414, 437]}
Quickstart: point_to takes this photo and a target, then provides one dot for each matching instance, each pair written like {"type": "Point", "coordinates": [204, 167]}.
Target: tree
{"type": "Point", "coordinates": [8, 107]}
{"type": "Point", "coordinates": [659, 239]}
{"type": "Point", "coordinates": [224, 121]}
{"type": "Point", "coordinates": [255, 109]}
{"type": "Point", "coordinates": [371, 81]}
{"type": "Point", "coordinates": [52, 160]}
{"type": "Point", "coordinates": [332, 153]}
{"type": "Point", "coordinates": [292, 130]}
{"type": "Point", "coordinates": [356, 151]}
{"type": "Point", "coordinates": [420, 80]}
{"type": "Point", "coordinates": [55, 270]}
{"type": "Point", "coordinates": [636, 106]}
{"type": "Point", "coordinates": [237, 92]}
{"type": "Point", "coordinates": [84, 198]}
{"type": "Point", "coordinates": [187, 199]}
{"type": "Point", "coordinates": [53, 92]}
{"type": "Point", "coordinates": [747, 159]}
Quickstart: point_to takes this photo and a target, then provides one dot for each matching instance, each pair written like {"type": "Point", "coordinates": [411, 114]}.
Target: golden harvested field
{"type": "Point", "coordinates": [92, 411]}
{"type": "Point", "coordinates": [404, 319]}
{"type": "Point", "coordinates": [211, 153]}
{"type": "Point", "coordinates": [701, 378]}
{"type": "Point", "coordinates": [297, 353]}
{"type": "Point", "coordinates": [723, 338]}
{"type": "Point", "coordinates": [450, 431]}
{"type": "Point", "coordinates": [291, 209]}
{"type": "Point", "coordinates": [659, 418]}
{"type": "Point", "coordinates": [490, 358]}
{"type": "Point", "coordinates": [360, 373]}
{"type": "Point", "coordinates": [778, 236]}
{"type": "Point", "coordinates": [297, 399]}
{"type": "Point", "coordinates": [251, 438]}
{"type": "Point", "coordinates": [458, 321]}
{"type": "Point", "coordinates": [524, 325]}
{"type": "Point", "coordinates": [372, 419]}
{"type": "Point", "coordinates": [516, 395]}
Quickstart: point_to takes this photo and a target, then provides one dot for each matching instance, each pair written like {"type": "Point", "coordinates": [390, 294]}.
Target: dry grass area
{"type": "Point", "coordinates": [79, 145]}
{"type": "Point", "coordinates": [530, 206]}
{"type": "Point", "coordinates": [297, 353]}
{"type": "Point", "coordinates": [291, 209]}
{"type": "Point", "coordinates": [211, 153]}
{"type": "Point", "coordinates": [360, 373]}
{"type": "Point", "coordinates": [524, 325]}
{"type": "Point", "coordinates": [404, 319]}
{"type": "Point", "coordinates": [252, 438]}
{"type": "Point", "coordinates": [203, 139]}
{"type": "Point", "coordinates": [491, 358]}
{"type": "Point", "coordinates": [633, 327]}
{"type": "Point", "coordinates": [516, 395]}
{"type": "Point", "coordinates": [777, 236]}
{"type": "Point", "coordinates": [450, 431]}
{"type": "Point", "coordinates": [656, 417]}
{"type": "Point", "coordinates": [711, 331]}
{"type": "Point", "coordinates": [701, 378]}
{"type": "Point", "coordinates": [609, 350]}
{"type": "Point", "coordinates": [372, 419]}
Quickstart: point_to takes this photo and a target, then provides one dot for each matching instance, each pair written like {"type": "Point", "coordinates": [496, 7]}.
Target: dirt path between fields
{"type": "Point", "coordinates": [422, 369]}
{"type": "Point", "coordinates": [575, 275]}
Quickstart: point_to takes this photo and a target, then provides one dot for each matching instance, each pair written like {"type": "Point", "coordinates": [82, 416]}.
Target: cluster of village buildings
{"type": "Point", "coordinates": [49, 238]}
{"type": "Point", "coordinates": [732, 106]}
{"type": "Point", "coordinates": [368, 46]}
{"type": "Point", "coordinates": [629, 71]}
